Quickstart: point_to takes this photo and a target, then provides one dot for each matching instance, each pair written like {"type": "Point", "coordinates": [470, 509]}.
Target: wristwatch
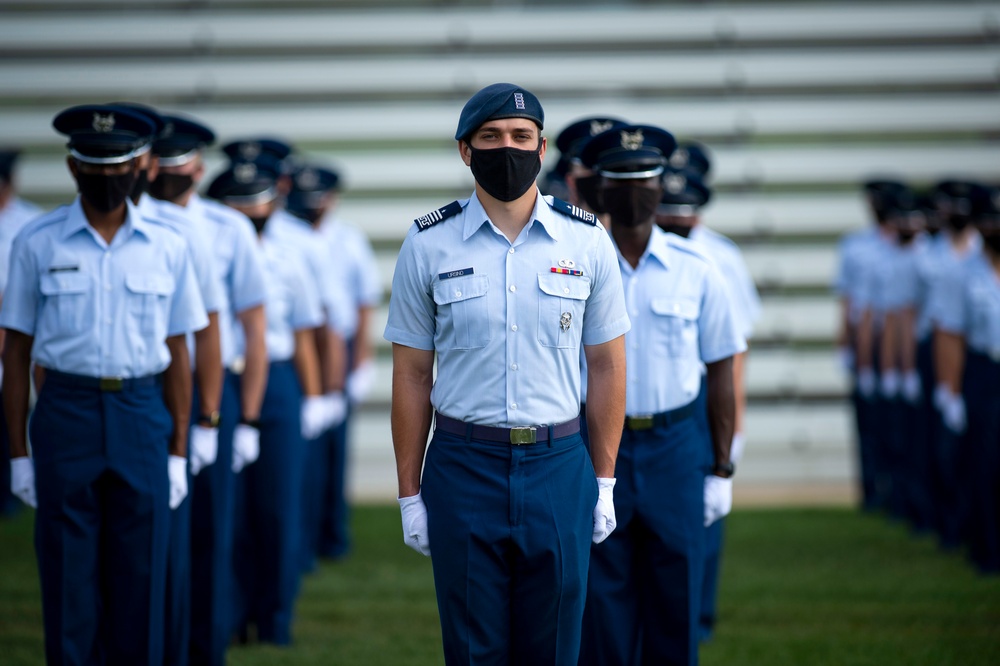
{"type": "Point", "coordinates": [725, 470]}
{"type": "Point", "coordinates": [209, 420]}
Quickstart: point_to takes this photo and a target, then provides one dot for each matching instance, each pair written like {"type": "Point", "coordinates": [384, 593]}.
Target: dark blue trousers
{"type": "Point", "coordinates": [212, 541]}
{"type": "Point", "coordinates": [177, 629]}
{"type": "Point", "coordinates": [268, 550]}
{"type": "Point", "coordinates": [922, 426]}
{"type": "Point", "coordinates": [325, 511]}
{"type": "Point", "coordinates": [510, 529]}
{"type": "Point", "coordinates": [645, 582]}
{"type": "Point", "coordinates": [102, 523]}
{"type": "Point", "coordinates": [982, 396]}
{"type": "Point", "coordinates": [9, 504]}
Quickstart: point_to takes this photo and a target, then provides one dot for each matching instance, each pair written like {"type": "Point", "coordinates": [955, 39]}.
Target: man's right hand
{"type": "Point", "coordinates": [246, 446]}
{"type": "Point", "coordinates": [415, 524]}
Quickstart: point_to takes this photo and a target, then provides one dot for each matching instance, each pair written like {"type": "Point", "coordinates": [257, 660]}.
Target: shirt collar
{"type": "Point", "coordinates": [77, 220]}
{"type": "Point", "coordinates": [476, 217]}
{"type": "Point", "coordinates": [657, 247]}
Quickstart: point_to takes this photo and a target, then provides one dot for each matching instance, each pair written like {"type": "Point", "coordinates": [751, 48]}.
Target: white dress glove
{"type": "Point", "coordinates": [313, 416]}
{"type": "Point", "coordinates": [246, 446]}
{"type": "Point", "coordinates": [866, 383]}
{"type": "Point", "coordinates": [361, 381]}
{"type": "Point", "coordinates": [952, 407]}
{"type": "Point", "coordinates": [22, 480]}
{"type": "Point", "coordinates": [911, 387]}
{"type": "Point", "coordinates": [204, 444]}
{"type": "Point", "coordinates": [177, 473]}
{"type": "Point", "coordinates": [604, 510]}
{"type": "Point", "coordinates": [737, 447]}
{"type": "Point", "coordinates": [415, 524]}
{"type": "Point", "coordinates": [718, 498]}
{"type": "Point", "coordinates": [889, 384]}
{"type": "Point", "coordinates": [335, 405]}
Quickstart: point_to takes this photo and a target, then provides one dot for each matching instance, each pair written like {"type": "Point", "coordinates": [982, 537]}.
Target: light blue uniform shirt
{"type": "Point", "coordinates": [859, 254]}
{"type": "Point", "coordinates": [973, 310]}
{"type": "Point", "coordinates": [97, 309]}
{"type": "Point", "coordinates": [933, 266]}
{"type": "Point", "coordinates": [681, 317]}
{"type": "Point", "coordinates": [240, 265]}
{"type": "Point", "coordinates": [506, 328]}
{"type": "Point", "coordinates": [729, 260]}
{"type": "Point", "coordinates": [325, 273]}
{"type": "Point", "coordinates": [293, 303]}
{"type": "Point", "coordinates": [348, 246]}
{"type": "Point", "coordinates": [872, 285]}
{"type": "Point", "coordinates": [13, 217]}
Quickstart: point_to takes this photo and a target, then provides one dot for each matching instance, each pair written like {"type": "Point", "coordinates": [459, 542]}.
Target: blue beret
{"type": "Point", "coordinates": [631, 151]}
{"type": "Point", "coordinates": [104, 134]}
{"type": "Point", "coordinates": [683, 188]}
{"type": "Point", "coordinates": [691, 156]}
{"type": "Point", "coordinates": [309, 185]}
{"type": "Point", "coordinates": [500, 100]}
{"type": "Point", "coordinates": [7, 158]}
{"type": "Point", "coordinates": [243, 184]}
{"type": "Point", "coordinates": [180, 139]}
{"type": "Point", "coordinates": [570, 141]}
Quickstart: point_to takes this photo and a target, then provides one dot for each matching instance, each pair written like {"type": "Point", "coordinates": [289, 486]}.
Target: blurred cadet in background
{"type": "Point", "coordinates": [581, 182]}
{"type": "Point", "coordinates": [15, 212]}
{"type": "Point", "coordinates": [553, 182]}
{"type": "Point", "coordinates": [674, 475]}
{"type": "Point", "coordinates": [268, 541]}
{"type": "Point", "coordinates": [100, 297]}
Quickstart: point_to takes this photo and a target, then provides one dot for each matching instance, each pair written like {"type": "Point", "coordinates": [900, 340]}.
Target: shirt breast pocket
{"type": "Point", "coordinates": [149, 302]}
{"type": "Point", "coordinates": [561, 304]}
{"type": "Point", "coordinates": [677, 326]}
{"type": "Point", "coordinates": [463, 312]}
{"type": "Point", "coordinates": [69, 306]}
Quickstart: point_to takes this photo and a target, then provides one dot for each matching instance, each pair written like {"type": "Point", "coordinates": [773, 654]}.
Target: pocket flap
{"type": "Point", "coordinates": [64, 283]}
{"type": "Point", "coordinates": [564, 286]}
{"type": "Point", "coordinates": [160, 284]}
{"type": "Point", "coordinates": [672, 307]}
{"type": "Point", "coordinates": [460, 289]}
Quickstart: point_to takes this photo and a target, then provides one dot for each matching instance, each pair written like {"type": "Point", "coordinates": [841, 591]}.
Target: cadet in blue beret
{"type": "Point", "coordinates": [674, 477]}
{"type": "Point", "coordinates": [581, 182]}
{"type": "Point", "coordinates": [179, 149]}
{"type": "Point", "coordinates": [268, 527]}
{"type": "Point", "coordinates": [504, 290]}
{"type": "Point", "coordinates": [15, 212]}
{"type": "Point", "coordinates": [100, 298]}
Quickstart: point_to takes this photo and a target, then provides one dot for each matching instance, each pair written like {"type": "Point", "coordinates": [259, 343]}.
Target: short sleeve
{"type": "Point", "coordinates": [411, 307]}
{"type": "Point", "coordinates": [20, 300]}
{"type": "Point", "coordinates": [605, 318]}
{"type": "Point", "coordinates": [187, 309]}
{"type": "Point", "coordinates": [719, 336]}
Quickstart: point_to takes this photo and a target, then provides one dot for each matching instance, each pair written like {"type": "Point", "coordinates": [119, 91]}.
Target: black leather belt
{"type": "Point", "coordinates": [516, 436]}
{"type": "Point", "coordinates": [108, 384]}
{"type": "Point", "coordinates": [663, 419]}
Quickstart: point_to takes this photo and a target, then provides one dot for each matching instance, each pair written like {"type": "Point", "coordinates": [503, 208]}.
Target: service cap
{"type": "Point", "coordinates": [104, 133]}
{"type": "Point", "coordinates": [631, 151]}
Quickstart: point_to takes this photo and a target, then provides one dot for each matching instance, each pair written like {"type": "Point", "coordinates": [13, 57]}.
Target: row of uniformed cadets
{"type": "Point", "coordinates": [157, 558]}
{"type": "Point", "coordinates": [921, 333]}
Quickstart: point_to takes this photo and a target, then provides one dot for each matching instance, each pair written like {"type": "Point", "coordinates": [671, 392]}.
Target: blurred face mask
{"type": "Point", "coordinates": [630, 205]}
{"type": "Point", "coordinates": [506, 173]}
{"type": "Point", "coordinates": [588, 188]}
{"type": "Point", "coordinates": [140, 186]}
{"type": "Point", "coordinates": [992, 241]}
{"type": "Point", "coordinates": [170, 186]}
{"type": "Point", "coordinates": [105, 192]}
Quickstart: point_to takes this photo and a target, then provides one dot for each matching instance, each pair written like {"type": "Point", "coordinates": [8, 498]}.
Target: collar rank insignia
{"type": "Point", "coordinates": [575, 212]}
{"type": "Point", "coordinates": [103, 124]}
{"type": "Point", "coordinates": [245, 173]}
{"type": "Point", "coordinates": [430, 219]}
{"type": "Point", "coordinates": [632, 140]}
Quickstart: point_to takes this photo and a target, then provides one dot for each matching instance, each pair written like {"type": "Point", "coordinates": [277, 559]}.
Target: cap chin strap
{"type": "Point", "coordinates": [267, 196]}
{"type": "Point", "coordinates": [115, 159]}
{"type": "Point", "coordinates": [179, 160]}
{"type": "Point", "coordinates": [677, 210]}
{"type": "Point", "coordinates": [632, 175]}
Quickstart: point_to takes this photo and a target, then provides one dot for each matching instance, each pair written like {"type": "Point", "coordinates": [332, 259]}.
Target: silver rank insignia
{"type": "Point", "coordinates": [632, 140]}
{"type": "Point", "coordinates": [596, 127]}
{"type": "Point", "coordinates": [245, 172]}
{"type": "Point", "coordinates": [564, 321]}
{"type": "Point", "coordinates": [103, 124]}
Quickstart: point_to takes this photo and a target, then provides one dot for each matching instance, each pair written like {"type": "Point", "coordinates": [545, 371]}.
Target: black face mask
{"type": "Point", "coordinates": [104, 193]}
{"type": "Point", "coordinates": [680, 229]}
{"type": "Point", "coordinates": [310, 215]}
{"type": "Point", "coordinates": [505, 173]}
{"type": "Point", "coordinates": [588, 187]}
{"type": "Point", "coordinates": [992, 241]}
{"type": "Point", "coordinates": [906, 237]}
{"type": "Point", "coordinates": [630, 206]}
{"type": "Point", "coordinates": [958, 222]}
{"type": "Point", "coordinates": [170, 186]}
{"type": "Point", "coordinates": [140, 186]}
{"type": "Point", "coordinates": [259, 222]}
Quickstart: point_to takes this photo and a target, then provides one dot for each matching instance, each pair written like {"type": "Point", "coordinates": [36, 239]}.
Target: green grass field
{"type": "Point", "coordinates": [804, 587]}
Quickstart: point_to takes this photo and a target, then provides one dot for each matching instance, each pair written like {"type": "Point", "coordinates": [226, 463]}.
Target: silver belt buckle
{"type": "Point", "coordinates": [643, 422]}
{"type": "Point", "coordinates": [522, 435]}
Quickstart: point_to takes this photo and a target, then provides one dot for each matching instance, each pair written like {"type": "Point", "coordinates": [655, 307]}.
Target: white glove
{"type": "Point", "coordinates": [866, 382]}
{"type": "Point", "coordinates": [360, 382]}
{"type": "Point", "coordinates": [246, 446]}
{"type": "Point", "coordinates": [911, 387]}
{"type": "Point", "coordinates": [313, 416]}
{"type": "Point", "coordinates": [845, 356]}
{"type": "Point", "coordinates": [335, 405]}
{"type": "Point", "coordinates": [889, 384]}
{"type": "Point", "coordinates": [204, 445]}
{"type": "Point", "coordinates": [736, 448]}
{"type": "Point", "coordinates": [604, 510]}
{"type": "Point", "coordinates": [952, 407]}
{"type": "Point", "coordinates": [177, 473]}
{"type": "Point", "coordinates": [415, 524]}
{"type": "Point", "coordinates": [22, 480]}
{"type": "Point", "coordinates": [718, 498]}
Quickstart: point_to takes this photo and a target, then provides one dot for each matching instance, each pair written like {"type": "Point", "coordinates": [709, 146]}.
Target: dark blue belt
{"type": "Point", "coordinates": [515, 436]}
{"type": "Point", "coordinates": [661, 420]}
{"type": "Point", "coordinates": [110, 384]}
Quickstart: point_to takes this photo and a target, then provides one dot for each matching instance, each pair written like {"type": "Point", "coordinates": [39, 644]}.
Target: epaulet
{"type": "Point", "coordinates": [575, 212]}
{"type": "Point", "coordinates": [427, 221]}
